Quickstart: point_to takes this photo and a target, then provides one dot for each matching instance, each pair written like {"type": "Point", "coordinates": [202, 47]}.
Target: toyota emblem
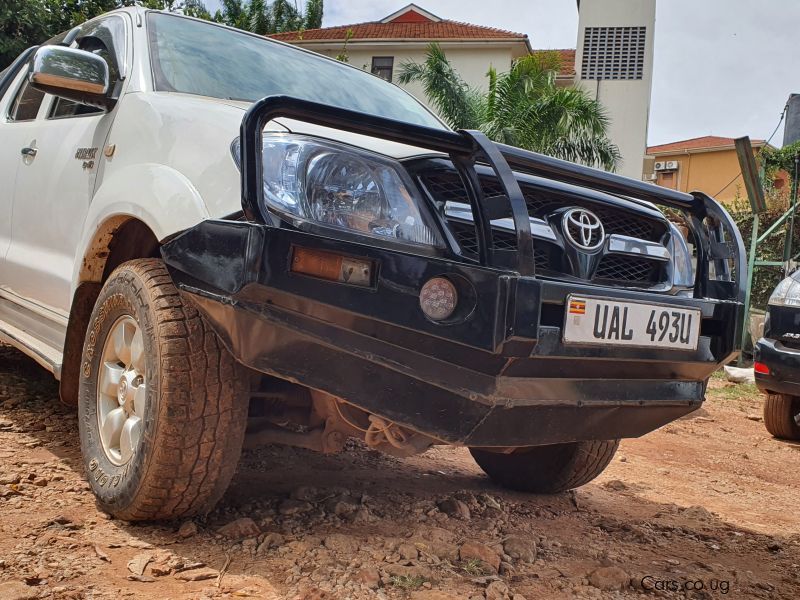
{"type": "Point", "coordinates": [583, 229]}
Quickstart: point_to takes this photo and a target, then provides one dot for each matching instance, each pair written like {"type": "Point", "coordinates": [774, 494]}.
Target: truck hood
{"type": "Point", "coordinates": [390, 149]}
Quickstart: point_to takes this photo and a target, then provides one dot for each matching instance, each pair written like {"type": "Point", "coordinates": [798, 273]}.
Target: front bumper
{"type": "Point", "coordinates": [499, 376]}
{"type": "Point", "coordinates": [502, 377]}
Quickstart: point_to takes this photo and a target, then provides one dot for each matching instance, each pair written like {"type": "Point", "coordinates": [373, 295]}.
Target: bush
{"type": "Point", "coordinates": [766, 278]}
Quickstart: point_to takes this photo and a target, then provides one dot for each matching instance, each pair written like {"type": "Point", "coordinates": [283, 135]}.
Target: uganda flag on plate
{"type": "Point", "coordinates": [577, 307]}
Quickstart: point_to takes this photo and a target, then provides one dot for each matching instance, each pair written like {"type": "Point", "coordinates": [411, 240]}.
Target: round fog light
{"type": "Point", "coordinates": [438, 298]}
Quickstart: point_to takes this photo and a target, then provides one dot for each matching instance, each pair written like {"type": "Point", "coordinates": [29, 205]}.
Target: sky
{"type": "Point", "coordinates": [722, 67]}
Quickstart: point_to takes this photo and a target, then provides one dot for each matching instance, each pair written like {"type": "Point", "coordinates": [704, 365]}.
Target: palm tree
{"type": "Point", "coordinates": [523, 107]}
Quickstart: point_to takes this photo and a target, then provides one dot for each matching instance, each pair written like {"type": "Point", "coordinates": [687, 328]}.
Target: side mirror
{"type": "Point", "coordinates": [71, 74]}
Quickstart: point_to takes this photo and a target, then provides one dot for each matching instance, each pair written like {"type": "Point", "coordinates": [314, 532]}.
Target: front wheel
{"type": "Point", "coordinates": [547, 469]}
{"type": "Point", "coordinates": [782, 416]}
{"type": "Point", "coordinates": [162, 404]}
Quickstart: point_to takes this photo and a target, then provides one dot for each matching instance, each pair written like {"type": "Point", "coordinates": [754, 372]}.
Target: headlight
{"type": "Point", "coordinates": [682, 267]}
{"type": "Point", "coordinates": [786, 294]}
{"type": "Point", "coordinates": [317, 181]}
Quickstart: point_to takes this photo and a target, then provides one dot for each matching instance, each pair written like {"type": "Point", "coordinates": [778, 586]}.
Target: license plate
{"type": "Point", "coordinates": [609, 322]}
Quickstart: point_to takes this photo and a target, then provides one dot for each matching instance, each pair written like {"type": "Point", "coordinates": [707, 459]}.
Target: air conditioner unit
{"type": "Point", "coordinates": [666, 165]}
{"type": "Point", "coordinates": [650, 177]}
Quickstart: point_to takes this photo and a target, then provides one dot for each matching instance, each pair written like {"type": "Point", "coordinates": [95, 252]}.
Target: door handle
{"type": "Point", "coordinates": [28, 151]}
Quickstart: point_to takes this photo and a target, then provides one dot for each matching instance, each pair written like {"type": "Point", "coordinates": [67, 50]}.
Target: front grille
{"type": "Point", "coordinates": [465, 236]}
{"type": "Point", "coordinates": [467, 239]}
{"type": "Point", "coordinates": [446, 186]}
{"type": "Point", "coordinates": [628, 269]}
{"type": "Point", "coordinates": [614, 221]}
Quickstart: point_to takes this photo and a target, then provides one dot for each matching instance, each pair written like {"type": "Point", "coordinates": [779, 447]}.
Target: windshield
{"type": "Point", "coordinates": [195, 57]}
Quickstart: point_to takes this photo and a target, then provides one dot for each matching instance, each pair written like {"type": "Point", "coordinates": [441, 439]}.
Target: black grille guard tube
{"type": "Point", "coordinates": [467, 147]}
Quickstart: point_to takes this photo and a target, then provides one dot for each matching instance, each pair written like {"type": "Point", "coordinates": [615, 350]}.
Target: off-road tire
{"type": "Point", "coordinates": [547, 469]}
{"type": "Point", "coordinates": [779, 415]}
{"type": "Point", "coordinates": [195, 414]}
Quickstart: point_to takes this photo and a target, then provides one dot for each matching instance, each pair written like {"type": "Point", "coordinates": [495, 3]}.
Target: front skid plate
{"type": "Point", "coordinates": [450, 414]}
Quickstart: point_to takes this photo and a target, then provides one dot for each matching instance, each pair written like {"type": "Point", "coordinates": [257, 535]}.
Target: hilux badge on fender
{"type": "Point", "coordinates": [583, 229]}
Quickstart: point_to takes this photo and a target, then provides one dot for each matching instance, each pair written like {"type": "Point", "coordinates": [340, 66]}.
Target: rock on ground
{"type": "Point", "coordinates": [240, 528]}
{"type": "Point", "coordinates": [520, 548]}
{"type": "Point", "coordinates": [472, 550]}
{"type": "Point", "coordinates": [609, 578]}
{"type": "Point", "coordinates": [17, 590]}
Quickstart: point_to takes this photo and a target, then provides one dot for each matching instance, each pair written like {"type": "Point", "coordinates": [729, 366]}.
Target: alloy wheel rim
{"type": "Point", "coordinates": [122, 391]}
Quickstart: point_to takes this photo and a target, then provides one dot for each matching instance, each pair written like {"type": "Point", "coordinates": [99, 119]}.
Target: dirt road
{"type": "Point", "coordinates": [706, 507]}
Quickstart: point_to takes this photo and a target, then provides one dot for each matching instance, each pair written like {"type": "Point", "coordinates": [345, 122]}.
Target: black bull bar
{"type": "Point", "coordinates": [465, 149]}
{"type": "Point", "coordinates": [500, 380]}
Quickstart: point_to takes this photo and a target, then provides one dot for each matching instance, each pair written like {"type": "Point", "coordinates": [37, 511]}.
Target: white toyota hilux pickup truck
{"type": "Point", "coordinates": [215, 241]}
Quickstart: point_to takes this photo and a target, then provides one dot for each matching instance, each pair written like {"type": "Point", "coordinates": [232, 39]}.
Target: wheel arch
{"type": "Point", "coordinates": [117, 240]}
{"type": "Point", "coordinates": [135, 209]}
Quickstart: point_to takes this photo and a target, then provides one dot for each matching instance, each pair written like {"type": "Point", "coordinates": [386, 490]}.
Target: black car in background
{"type": "Point", "coordinates": [777, 360]}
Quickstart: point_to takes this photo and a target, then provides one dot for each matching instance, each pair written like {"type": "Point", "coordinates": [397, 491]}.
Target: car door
{"type": "Point", "coordinates": [56, 181]}
{"type": "Point", "coordinates": [19, 108]}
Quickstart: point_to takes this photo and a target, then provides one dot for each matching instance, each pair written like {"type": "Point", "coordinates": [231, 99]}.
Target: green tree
{"type": "Point", "coordinates": [522, 107]}
{"type": "Point", "coordinates": [285, 17]}
{"type": "Point", "coordinates": [26, 23]}
{"type": "Point", "coordinates": [263, 18]}
{"type": "Point", "coordinates": [781, 159]}
{"type": "Point", "coordinates": [66, 14]}
{"type": "Point", "coordinates": [23, 23]}
{"type": "Point", "coordinates": [313, 18]}
{"type": "Point", "coordinates": [259, 19]}
{"type": "Point", "coordinates": [235, 14]}
{"type": "Point", "coordinates": [343, 56]}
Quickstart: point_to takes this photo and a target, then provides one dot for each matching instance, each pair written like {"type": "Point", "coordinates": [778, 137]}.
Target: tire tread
{"type": "Point", "coordinates": [548, 469]}
{"type": "Point", "coordinates": [779, 411]}
{"type": "Point", "coordinates": [202, 421]}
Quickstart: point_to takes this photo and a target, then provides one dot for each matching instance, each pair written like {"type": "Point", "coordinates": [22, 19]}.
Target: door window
{"type": "Point", "coordinates": [26, 105]}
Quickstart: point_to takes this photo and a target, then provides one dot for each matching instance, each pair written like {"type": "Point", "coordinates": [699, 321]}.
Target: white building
{"type": "Point", "coordinates": [613, 61]}
{"type": "Point", "coordinates": [383, 46]}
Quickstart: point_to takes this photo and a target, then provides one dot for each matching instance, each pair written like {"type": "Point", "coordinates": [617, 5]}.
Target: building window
{"type": "Point", "coordinates": [382, 67]}
{"type": "Point", "coordinates": [667, 179]}
{"type": "Point", "coordinates": [613, 52]}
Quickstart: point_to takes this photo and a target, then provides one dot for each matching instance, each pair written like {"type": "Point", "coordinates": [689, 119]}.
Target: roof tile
{"type": "Point", "coordinates": [567, 59]}
{"type": "Point", "coordinates": [429, 30]}
{"type": "Point", "coordinates": [698, 143]}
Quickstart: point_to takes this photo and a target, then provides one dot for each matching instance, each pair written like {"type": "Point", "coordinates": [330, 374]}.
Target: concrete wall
{"type": "Point", "coordinates": [627, 102]}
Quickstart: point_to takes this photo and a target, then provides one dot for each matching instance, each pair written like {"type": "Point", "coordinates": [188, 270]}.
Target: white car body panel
{"type": "Point", "coordinates": [14, 138]}
{"type": "Point", "coordinates": [52, 194]}
{"type": "Point", "coordinates": [163, 158]}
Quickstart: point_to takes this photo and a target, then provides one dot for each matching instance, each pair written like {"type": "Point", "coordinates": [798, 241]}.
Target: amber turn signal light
{"type": "Point", "coordinates": [331, 266]}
